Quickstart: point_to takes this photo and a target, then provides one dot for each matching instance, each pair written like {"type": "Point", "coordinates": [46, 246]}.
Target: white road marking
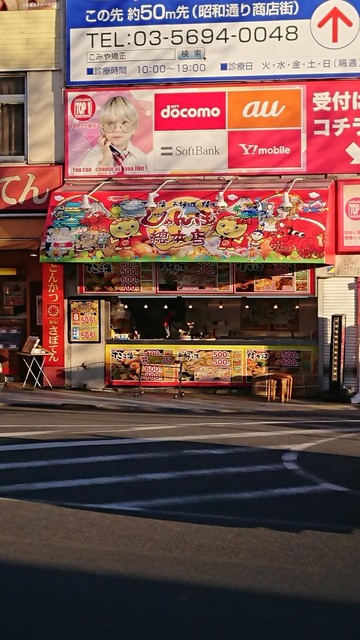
{"type": "Point", "coordinates": [21, 434]}
{"type": "Point", "coordinates": [51, 462]}
{"type": "Point", "coordinates": [139, 477]}
{"type": "Point", "coordinates": [191, 437]}
{"type": "Point", "coordinates": [199, 499]}
{"type": "Point", "coordinates": [209, 423]}
{"type": "Point", "coordinates": [290, 460]}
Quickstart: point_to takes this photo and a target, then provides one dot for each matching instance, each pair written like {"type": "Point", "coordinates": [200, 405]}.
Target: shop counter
{"type": "Point", "coordinates": [211, 363]}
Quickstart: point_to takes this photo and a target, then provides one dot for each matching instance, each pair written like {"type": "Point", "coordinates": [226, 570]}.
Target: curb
{"type": "Point", "coordinates": [130, 406]}
{"type": "Point", "coordinates": [127, 408]}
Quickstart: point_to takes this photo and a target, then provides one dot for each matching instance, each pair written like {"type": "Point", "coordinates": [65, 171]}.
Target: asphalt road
{"type": "Point", "coordinates": [156, 526]}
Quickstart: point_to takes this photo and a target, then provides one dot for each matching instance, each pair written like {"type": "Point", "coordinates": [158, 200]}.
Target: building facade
{"type": "Point", "coordinates": [208, 206]}
{"type": "Point", "coordinates": [31, 164]}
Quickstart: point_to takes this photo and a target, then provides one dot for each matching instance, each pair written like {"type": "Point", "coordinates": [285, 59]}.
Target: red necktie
{"type": "Point", "coordinates": [119, 159]}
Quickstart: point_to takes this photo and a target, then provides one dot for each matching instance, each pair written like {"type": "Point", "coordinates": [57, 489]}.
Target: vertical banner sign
{"type": "Point", "coordinates": [53, 321]}
{"type": "Point", "coordinates": [337, 353]}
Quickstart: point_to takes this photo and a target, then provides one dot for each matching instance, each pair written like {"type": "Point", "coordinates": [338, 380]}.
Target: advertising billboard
{"type": "Point", "coordinates": [230, 365]}
{"type": "Point", "coordinates": [112, 42]}
{"type": "Point", "coordinates": [283, 128]}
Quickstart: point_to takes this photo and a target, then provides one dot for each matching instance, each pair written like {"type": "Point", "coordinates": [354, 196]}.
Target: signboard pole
{"type": "Point", "coordinates": [356, 398]}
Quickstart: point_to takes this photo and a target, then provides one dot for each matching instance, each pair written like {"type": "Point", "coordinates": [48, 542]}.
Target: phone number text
{"type": "Point", "coordinates": [190, 37]}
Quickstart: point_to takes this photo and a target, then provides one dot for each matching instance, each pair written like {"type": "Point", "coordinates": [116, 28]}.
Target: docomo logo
{"type": "Point", "coordinates": [83, 107]}
{"type": "Point", "coordinates": [174, 111]}
{"type": "Point", "coordinates": [190, 111]}
{"type": "Point", "coordinates": [352, 209]}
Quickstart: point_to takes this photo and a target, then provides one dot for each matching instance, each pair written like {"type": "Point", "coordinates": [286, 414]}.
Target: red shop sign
{"type": "Point", "coordinates": [28, 188]}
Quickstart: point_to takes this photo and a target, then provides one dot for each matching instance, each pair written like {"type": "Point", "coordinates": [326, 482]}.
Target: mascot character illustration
{"type": "Point", "coordinates": [304, 234]}
{"type": "Point", "coordinates": [122, 231]}
{"type": "Point", "coordinates": [231, 230]}
{"type": "Point", "coordinates": [255, 241]}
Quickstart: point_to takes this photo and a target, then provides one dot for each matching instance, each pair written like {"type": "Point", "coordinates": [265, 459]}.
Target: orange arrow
{"type": "Point", "coordinates": [335, 15]}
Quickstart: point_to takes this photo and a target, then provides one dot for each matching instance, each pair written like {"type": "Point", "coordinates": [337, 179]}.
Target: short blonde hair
{"type": "Point", "coordinates": [118, 109]}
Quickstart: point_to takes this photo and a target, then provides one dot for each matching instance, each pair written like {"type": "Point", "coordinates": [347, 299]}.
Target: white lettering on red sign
{"type": "Point", "coordinates": [28, 191]}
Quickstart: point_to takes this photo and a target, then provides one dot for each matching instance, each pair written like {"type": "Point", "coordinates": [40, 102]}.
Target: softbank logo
{"type": "Point", "coordinates": [200, 110]}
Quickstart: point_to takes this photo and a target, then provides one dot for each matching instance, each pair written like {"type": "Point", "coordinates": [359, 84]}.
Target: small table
{"type": "Point", "coordinates": [34, 363]}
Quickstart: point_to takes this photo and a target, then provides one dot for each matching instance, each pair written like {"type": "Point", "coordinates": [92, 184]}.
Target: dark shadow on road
{"type": "Point", "coordinates": [56, 604]}
{"type": "Point", "coordinates": [204, 483]}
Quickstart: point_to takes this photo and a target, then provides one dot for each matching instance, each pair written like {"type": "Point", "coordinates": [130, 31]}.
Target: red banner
{"type": "Point", "coordinates": [252, 225]}
{"type": "Point", "coordinates": [53, 322]}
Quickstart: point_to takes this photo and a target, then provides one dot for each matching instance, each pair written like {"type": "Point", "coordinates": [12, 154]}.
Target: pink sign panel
{"type": "Point", "coordinates": [349, 216]}
{"type": "Point", "coordinates": [285, 152]}
{"type": "Point", "coordinates": [333, 126]}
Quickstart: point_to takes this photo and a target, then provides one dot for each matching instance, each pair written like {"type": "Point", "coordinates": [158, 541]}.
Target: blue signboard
{"type": "Point", "coordinates": [127, 41]}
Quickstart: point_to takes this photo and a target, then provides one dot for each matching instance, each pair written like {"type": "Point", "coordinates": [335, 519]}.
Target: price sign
{"type": "Point", "coordinates": [84, 321]}
{"type": "Point", "coordinates": [127, 42]}
{"type": "Point", "coordinates": [112, 279]}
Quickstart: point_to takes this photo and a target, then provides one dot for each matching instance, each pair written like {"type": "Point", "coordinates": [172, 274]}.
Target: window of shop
{"type": "Point", "coordinates": [12, 118]}
{"type": "Point", "coordinates": [12, 319]}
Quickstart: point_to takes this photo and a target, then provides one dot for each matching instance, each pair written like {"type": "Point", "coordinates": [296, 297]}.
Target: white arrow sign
{"type": "Point", "coordinates": [354, 151]}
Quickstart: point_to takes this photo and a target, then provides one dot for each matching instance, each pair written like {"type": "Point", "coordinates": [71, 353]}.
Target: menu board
{"type": "Point", "coordinates": [30, 344]}
{"type": "Point", "coordinates": [276, 279]}
{"type": "Point", "coordinates": [128, 277]}
{"type": "Point", "coordinates": [84, 321]}
{"type": "Point", "coordinates": [228, 365]}
{"type": "Point", "coordinates": [199, 278]}
{"type": "Point", "coordinates": [261, 360]}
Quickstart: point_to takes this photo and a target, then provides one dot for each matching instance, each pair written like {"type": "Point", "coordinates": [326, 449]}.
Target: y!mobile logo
{"type": "Point", "coordinates": [196, 111]}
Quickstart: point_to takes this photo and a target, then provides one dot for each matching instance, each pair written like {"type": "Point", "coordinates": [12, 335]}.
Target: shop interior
{"type": "Point", "coordinates": [196, 318]}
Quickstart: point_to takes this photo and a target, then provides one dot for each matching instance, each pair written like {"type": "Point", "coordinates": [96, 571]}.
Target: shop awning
{"type": "Point", "coordinates": [20, 233]}
{"type": "Point", "coordinates": [262, 222]}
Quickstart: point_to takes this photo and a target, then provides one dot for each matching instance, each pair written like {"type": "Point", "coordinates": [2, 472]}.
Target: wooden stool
{"type": "Point", "coordinates": [282, 382]}
{"type": "Point", "coordinates": [260, 384]}
{"type": "Point", "coordinates": [271, 389]}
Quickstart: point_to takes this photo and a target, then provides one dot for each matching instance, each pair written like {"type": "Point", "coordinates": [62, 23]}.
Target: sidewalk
{"type": "Point", "coordinates": [221, 401]}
